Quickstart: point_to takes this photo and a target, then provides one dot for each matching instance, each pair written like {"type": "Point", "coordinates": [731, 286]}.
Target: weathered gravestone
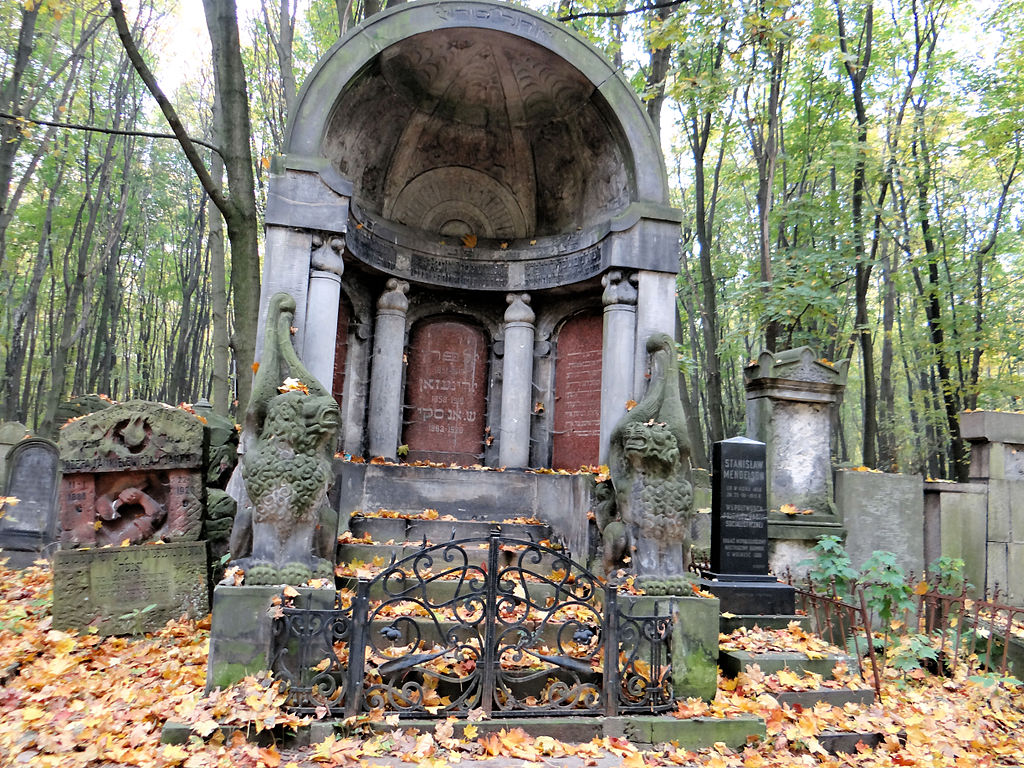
{"type": "Point", "coordinates": [791, 400]}
{"type": "Point", "coordinates": [127, 590]}
{"type": "Point", "coordinates": [11, 433]}
{"type": "Point", "coordinates": [28, 529]}
{"type": "Point", "coordinates": [739, 532]}
{"type": "Point", "coordinates": [133, 475]}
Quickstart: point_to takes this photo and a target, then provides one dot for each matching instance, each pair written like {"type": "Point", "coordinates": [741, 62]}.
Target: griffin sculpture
{"type": "Point", "coordinates": [649, 459]}
{"type": "Point", "coordinates": [285, 529]}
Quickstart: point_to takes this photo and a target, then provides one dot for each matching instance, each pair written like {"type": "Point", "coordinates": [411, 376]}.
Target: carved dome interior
{"type": "Point", "coordinates": [473, 131]}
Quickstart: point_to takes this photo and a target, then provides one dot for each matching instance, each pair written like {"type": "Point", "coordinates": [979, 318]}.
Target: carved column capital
{"type": "Point", "coordinates": [619, 287]}
{"type": "Point", "coordinates": [519, 308]}
{"type": "Point", "coordinates": [326, 256]}
{"type": "Point", "coordinates": [394, 298]}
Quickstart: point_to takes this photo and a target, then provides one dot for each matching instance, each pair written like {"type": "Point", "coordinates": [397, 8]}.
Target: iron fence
{"type": "Point", "coordinates": [507, 626]}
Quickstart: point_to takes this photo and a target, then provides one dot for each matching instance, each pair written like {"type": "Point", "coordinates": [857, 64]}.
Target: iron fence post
{"type": "Point", "coordinates": [492, 658]}
{"type": "Point", "coordinates": [358, 634]}
{"type": "Point", "coordinates": [611, 652]}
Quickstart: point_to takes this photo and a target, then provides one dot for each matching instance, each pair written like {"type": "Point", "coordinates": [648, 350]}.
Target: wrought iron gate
{"type": "Point", "coordinates": [504, 625]}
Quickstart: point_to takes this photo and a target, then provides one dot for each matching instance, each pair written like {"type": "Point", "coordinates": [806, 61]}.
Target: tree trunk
{"type": "Point", "coordinates": [234, 133]}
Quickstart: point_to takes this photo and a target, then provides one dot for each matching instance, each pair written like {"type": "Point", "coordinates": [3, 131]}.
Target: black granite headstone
{"type": "Point", "coordinates": [739, 507]}
{"type": "Point", "coordinates": [28, 527]}
{"type": "Point", "coordinates": [739, 575]}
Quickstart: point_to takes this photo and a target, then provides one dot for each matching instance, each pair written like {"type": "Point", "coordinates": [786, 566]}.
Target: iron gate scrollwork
{"type": "Point", "coordinates": [508, 626]}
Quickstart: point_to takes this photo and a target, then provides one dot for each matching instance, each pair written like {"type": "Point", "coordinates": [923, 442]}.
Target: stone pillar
{"type": "Point", "coordinates": [791, 396]}
{"type": "Point", "coordinates": [516, 382]}
{"type": "Point", "coordinates": [997, 464]}
{"type": "Point", "coordinates": [655, 313]}
{"type": "Point", "coordinates": [385, 419]}
{"type": "Point", "coordinates": [285, 269]}
{"type": "Point", "coordinates": [326, 269]}
{"type": "Point", "coordinates": [618, 351]}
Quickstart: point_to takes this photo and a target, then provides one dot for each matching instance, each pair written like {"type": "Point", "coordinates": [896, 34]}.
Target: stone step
{"type": "Point", "coordinates": [734, 662]}
{"type": "Point", "coordinates": [835, 697]}
{"type": "Point", "coordinates": [643, 731]}
{"type": "Point", "coordinates": [560, 501]}
{"type": "Point", "coordinates": [415, 530]}
{"type": "Point", "coordinates": [441, 590]}
{"type": "Point", "coordinates": [350, 552]}
{"type": "Point", "coordinates": [729, 623]}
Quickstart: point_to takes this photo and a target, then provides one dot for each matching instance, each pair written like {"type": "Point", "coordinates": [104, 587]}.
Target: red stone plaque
{"type": "Point", "coordinates": [578, 393]}
{"type": "Point", "coordinates": [341, 350]}
{"type": "Point", "coordinates": [446, 387]}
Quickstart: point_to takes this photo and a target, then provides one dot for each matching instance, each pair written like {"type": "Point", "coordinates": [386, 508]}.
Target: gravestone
{"type": "Point", "coordinates": [577, 435]}
{"type": "Point", "coordinates": [132, 472]}
{"type": "Point", "coordinates": [739, 508]}
{"type": "Point", "coordinates": [129, 590]}
{"type": "Point", "coordinates": [739, 532]}
{"type": "Point", "coordinates": [447, 388]}
{"type": "Point", "coordinates": [28, 529]}
{"type": "Point", "coordinates": [792, 396]}
{"type": "Point", "coordinates": [132, 475]}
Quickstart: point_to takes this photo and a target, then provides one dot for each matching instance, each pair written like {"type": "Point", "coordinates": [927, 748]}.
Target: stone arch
{"type": "Point", "coordinates": [451, 115]}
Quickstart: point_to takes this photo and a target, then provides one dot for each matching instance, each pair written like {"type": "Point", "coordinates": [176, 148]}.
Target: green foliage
{"type": "Point", "coordinates": [831, 566]}
{"type": "Point", "coordinates": [946, 576]}
{"type": "Point", "coordinates": [886, 588]}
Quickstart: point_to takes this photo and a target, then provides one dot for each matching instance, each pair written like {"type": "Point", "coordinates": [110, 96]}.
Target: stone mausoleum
{"type": "Point", "coordinates": [472, 214]}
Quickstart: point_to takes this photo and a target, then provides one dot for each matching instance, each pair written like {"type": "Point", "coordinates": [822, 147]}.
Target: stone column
{"type": "Point", "coordinates": [326, 269]}
{"type": "Point", "coordinates": [385, 419]}
{"type": "Point", "coordinates": [285, 268]}
{"type": "Point", "coordinates": [655, 313]}
{"type": "Point", "coordinates": [516, 382]}
{"type": "Point", "coordinates": [618, 350]}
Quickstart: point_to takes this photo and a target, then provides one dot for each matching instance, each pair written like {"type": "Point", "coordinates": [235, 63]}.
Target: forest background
{"type": "Point", "coordinates": [849, 175]}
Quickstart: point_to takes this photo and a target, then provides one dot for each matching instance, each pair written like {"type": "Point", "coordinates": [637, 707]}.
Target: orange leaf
{"type": "Point", "coordinates": [921, 588]}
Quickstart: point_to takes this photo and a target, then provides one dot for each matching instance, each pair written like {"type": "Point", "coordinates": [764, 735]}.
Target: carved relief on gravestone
{"type": "Point", "coordinates": [28, 527]}
{"type": "Point", "coordinates": [132, 472]}
{"type": "Point", "coordinates": [446, 392]}
{"type": "Point", "coordinates": [649, 459]}
{"type": "Point", "coordinates": [285, 530]}
{"type": "Point", "coordinates": [577, 416]}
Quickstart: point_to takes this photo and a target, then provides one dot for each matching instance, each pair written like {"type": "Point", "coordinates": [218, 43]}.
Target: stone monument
{"type": "Point", "coordinates": [28, 529]}
{"type": "Point", "coordinates": [739, 532]}
{"type": "Point", "coordinates": [791, 398]}
{"type": "Point", "coordinates": [472, 214]}
{"type": "Point", "coordinates": [131, 502]}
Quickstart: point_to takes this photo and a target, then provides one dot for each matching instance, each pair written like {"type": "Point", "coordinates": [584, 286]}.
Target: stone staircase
{"type": "Point", "coordinates": [392, 510]}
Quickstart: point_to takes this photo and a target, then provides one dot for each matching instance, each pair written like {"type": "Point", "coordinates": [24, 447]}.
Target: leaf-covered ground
{"type": "Point", "coordinates": [72, 700]}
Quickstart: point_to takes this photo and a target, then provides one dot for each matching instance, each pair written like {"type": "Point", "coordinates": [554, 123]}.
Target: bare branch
{"type": "Point", "coordinates": [616, 14]}
{"type": "Point", "coordinates": [100, 129]}
{"type": "Point", "coordinates": [187, 145]}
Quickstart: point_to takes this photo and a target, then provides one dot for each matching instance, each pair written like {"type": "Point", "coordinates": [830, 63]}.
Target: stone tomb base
{"type": "Point", "coordinates": [750, 594]}
{"type": "Point", "coordinates": [128, 590]}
